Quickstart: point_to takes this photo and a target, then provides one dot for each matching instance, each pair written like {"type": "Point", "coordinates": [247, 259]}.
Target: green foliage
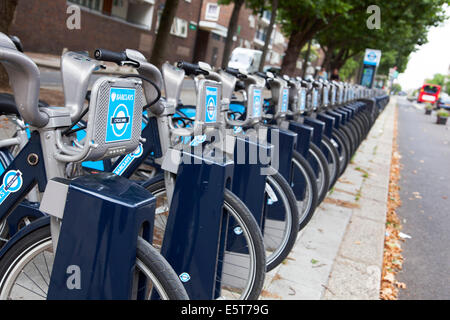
{"type": "Point", "coordinates": [404, 26]}
{"type": "Point", "coordinates": [438, 79]}
{"type": "Point", "coordinates": [443, 113]}
{"type": "Point", "coordinates": [349, 69]}
{"type": "Point", "coordinates": [396, 88]}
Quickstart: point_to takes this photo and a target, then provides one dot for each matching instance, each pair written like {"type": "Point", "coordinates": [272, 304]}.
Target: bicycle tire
{"type": "Point", "coordinates": [292, 222]}
{"type": "Point", "coordinates": [315, 154]}
{"type": "Point", "coordinates": [301, 164]}
{"type": "Point", "coordinates": [146, 257]}
{"type": "Point", "coordinates": [334, 156]}
{"type": "Point", "coordinates": [248, 224]}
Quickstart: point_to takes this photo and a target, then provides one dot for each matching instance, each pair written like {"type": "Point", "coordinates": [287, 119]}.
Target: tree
{"type": "Point", "coordinates": [274, 8]}
{"type": "Point", "coordinates": [162, 37]}
{"type": "Point", "coordinates": [232, 27]}
{"type": "Point", "coordinates": [303, 19]}
{"type": "Point", "coordinates": [396, 38]}
{"type": "Point", "coordinates": [7, 10]}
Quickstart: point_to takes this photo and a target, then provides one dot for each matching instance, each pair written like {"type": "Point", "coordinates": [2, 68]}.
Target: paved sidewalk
{"type": "Point", "coordinates": [339, 254]}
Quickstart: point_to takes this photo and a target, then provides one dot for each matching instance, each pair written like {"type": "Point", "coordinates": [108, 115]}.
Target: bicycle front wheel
{"type": "Point", "coordinates": [243, 265]}
{"type": "Point", "coordinates": [26, 267]}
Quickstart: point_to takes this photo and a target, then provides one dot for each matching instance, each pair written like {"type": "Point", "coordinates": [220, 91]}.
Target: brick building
{"type": "Point", "coordinates": [198, 31]}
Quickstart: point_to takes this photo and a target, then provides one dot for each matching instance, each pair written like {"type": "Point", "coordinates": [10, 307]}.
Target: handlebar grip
{"type": "Point", "coordinates": [111, 56]}
{"type": "Point", "coordinates": [191, 68]}
{"type": "Point", "coordinates": [239, 86]}
{"type": "Point", "coordinates": [235, 72]}
{"type": "Point", "coordinates": [262, 74]}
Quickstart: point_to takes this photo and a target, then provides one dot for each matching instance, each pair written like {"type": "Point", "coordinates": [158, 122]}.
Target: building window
{"type": "Point", "coordinates": [261, 34]}
{"type": "Point", "coordinates": [251, 21]}
{"type": "Point", "coordinates": [91, 4]}
{"type": "Point", "coordinates": [135, 12]}
{"type": "Point", "coordinates": [212, 11]}
{"type": "Point", "coordinates": [267, 15]}
{"type": "Point", "coordinates": [179, 27]}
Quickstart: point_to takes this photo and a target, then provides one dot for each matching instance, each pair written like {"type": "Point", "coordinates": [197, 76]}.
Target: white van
{"type": "Point", "coordinates": [245, 59]}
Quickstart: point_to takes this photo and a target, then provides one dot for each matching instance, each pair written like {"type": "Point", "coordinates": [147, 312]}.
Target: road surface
{"type": "Point", "coordinates": [425, 211]}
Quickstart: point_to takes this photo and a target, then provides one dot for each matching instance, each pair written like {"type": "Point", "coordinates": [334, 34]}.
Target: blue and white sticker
{"type": "Point", "coordinates": [257, 103]}
{"type": "Point", "coordinates": [12, 182]}
{"type": "Point", "coordinates": [285, 100]}
{"type": "Point", "coordinates": [128, 159]}
{"type": "Point", "coordinates": [237, 129]}
{"type": "Point", "coordinates": [198, 140]}
{"type": "Point", "coordinates": [211, 104]}
{"type": "Point", "coordinates": [315, 98]}
{"type": "Point", "coordinates": [303, 100]}
{"type": "Point", "coordinates": [325, 96]}
{"type": "Point", "coordinates": [120, 114]}
{"type": "Point", "coordinates": [184, 277]}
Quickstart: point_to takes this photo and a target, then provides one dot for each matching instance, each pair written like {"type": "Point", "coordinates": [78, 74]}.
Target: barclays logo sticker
{"type": "Point", "coordinates": [128, 159]}
{"type": "Point", "coordinates": [257, 103]}
{"type": "Point", "coordinates": [185, 277]}
{"type": "Point", "coordinates": [285, 100]}
{"type": "Point", "coordinates": [12, 182]}
{"type": "Point", "coordinates": [120, 114]}
{"type": "Point", "coordinates": [303, 100]}
{"type": "Point", "coordinates": [211, 104]}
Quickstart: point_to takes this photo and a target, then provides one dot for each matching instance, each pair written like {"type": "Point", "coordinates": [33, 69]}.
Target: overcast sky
{"type": "Point", "coordinates": [433, 57]}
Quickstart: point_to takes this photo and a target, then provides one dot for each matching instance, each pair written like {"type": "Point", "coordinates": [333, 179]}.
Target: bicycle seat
{"type": "Point", "coordinates": [8, 104]}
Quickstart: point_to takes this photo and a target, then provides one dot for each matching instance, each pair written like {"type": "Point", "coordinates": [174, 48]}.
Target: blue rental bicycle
{"type": "Point", "coordinates": [92, 227]}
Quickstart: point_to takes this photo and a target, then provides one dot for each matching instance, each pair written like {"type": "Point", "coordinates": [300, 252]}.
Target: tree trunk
{"type": "Point", "coordinates": [305, 61]}
{"type": "Point", "coordinates": [232, 27]}
{"type": "Point", "coordinates": [7, 10]}
{"type": "Point", "coordinates": [269, 34]}
{"type": "Point", "coordinates": [162, 38]}
{"type": "Point", "coordinates": [297, 40]}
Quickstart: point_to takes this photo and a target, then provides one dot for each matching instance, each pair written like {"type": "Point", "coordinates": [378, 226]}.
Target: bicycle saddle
{"type": "Point", "coordinates": [8, 104]}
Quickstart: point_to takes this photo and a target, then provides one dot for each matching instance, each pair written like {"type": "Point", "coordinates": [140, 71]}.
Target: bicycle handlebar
{"type": "Point", "coordinates": [235, 72]}
{"type": "Point", "coordinates": [110, 56]}
{"type": "Point", "coordinates": [191, 68]}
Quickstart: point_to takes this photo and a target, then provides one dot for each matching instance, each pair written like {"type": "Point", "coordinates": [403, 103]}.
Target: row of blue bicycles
{"type": "Point", "coordinates": [126, 192]}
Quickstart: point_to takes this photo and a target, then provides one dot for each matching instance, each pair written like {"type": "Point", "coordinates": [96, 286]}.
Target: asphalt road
{"type": "Point", "coordinates": [425, 211]}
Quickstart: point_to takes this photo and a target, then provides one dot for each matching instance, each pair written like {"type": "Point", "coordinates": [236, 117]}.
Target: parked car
{"type": "Point", "coordinates": [274, 69]}
{"type": "Point", "coordinates": [412, 95]}
{"type": "Point", "coordinates": [443, 102]}
{"type": "Point", "coordinates": [245, 59]}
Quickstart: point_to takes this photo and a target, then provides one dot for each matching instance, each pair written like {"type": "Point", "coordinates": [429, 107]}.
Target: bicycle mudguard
{"type": "Point", "coordinates": [25, 209]}
{"type": "Point", "coordinates": [284, 142]}
{"type": "Point", "coordinates": [329, 124]}
{"type": "Point", "coordinates": [304, 136]}
{"type": "Point", "coordinates": [319, 128]}
{"type": "Point", "coordinates": [249, 178]}
{"type": "Point", "coordinates": [44, 220]}
{"type": "Point", "coordinates": [337, 118]}
{"type": "Point", "coordinates": [194, 240]}
{"type": "Point", "coordinates": [102, 216]}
